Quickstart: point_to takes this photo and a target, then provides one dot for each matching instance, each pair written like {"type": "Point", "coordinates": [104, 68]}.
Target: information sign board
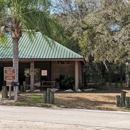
{"type": "Point", "coordinates": [9, 73]}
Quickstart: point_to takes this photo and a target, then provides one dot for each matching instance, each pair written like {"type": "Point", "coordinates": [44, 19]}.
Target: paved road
{"type": "Point", "coordinates": [78, 117]}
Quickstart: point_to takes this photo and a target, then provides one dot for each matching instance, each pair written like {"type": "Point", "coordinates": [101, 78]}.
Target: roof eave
{"type": "Point", "coordinates": [46, 59]}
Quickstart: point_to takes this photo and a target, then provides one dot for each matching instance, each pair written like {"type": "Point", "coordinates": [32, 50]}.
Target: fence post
{"type": "Point", "coordinates": [118, 100]}
{"type": "Point", "coordinates": [51, 97]}
{"type": "Point", "coordinates": [121, 82]}
{"type": "Point", "coordinates": [123, 97]}
{"type": "Point", "coordinates": [45, 97]}
{"type": "Point", "coordinates": [21, 88]}
{"type": "Point", "coordinates": [24, 85]}
{"type": "Point", "coordinates": [127, 76]}
{"type": "Point", "coordinates": [110, 76]}
{"type": "Point", "coordinates": [127, 102]}
{"type": "Point", "coordinates": [116, 83]}
{"type": "Point", "coordinates": [48, 95]}
{"type": "Point", "coordinates": [4, 92]}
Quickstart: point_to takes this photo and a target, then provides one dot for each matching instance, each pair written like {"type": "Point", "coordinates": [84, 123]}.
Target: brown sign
{"type": "Point", "coordinates": [9, 73]}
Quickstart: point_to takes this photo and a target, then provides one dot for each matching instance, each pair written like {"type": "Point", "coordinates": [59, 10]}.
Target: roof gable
{"type": "Point", "coordinates": [38, 48]}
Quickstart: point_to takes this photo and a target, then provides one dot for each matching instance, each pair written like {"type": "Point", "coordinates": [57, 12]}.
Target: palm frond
{"type": "Point", "coordinates": [3, 39]}
{"type": "Point", "coordinates": [34, 15]}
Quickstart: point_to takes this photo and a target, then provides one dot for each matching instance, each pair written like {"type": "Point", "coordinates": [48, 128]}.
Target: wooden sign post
{"type": "Point", "coordinates": [8, 83]}
{"type": "Point", "coordinates": [9, 76]}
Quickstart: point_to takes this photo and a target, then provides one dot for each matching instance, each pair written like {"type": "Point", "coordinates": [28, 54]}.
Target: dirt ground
{"type": "Point", "coordinates": [100, 99]}
{"type": "Point", "coordinates": [104, 99]}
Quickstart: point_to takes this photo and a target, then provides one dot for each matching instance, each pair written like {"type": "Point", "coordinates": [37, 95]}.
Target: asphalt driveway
{"type": "Point", "coordinates": [79, 119]}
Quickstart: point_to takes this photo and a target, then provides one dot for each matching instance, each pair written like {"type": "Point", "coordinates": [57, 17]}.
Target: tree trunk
{"type": "Point", "coordinates": [15, 58]}
{"type": "Point", "coordinates": [16, 33]}
{"type": "Point", "coordinates": [15, 64]}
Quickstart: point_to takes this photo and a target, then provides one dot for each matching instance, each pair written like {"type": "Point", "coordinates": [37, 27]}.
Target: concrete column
{"type": "Point", "coordinates": [76, 75]}
{"type": "Point", "coordinates": [32, 76]}
{"type": "Point", "coordinates": [80, 74]}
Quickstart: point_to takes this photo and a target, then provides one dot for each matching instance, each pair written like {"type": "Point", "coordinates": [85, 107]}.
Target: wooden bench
{"type": "Point", "coordinates": [48, 84]}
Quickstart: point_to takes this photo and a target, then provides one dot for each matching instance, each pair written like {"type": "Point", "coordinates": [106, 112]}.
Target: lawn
{"type": "Point", "coordinates": [104, 99]}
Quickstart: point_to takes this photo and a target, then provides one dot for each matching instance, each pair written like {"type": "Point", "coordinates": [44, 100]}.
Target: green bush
{"type": "Point", "coordinates": [68, 80]}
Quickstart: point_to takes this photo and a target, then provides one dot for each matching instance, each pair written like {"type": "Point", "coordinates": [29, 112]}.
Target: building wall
{"type": "Point", "coordinates": [22, 66]}
{"type": "Point", "coordinates": [62, 68]}
{"type": "Point", "coordinates": [43, 65]}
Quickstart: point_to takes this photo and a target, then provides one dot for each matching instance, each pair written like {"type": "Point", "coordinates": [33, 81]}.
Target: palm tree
{"type": "Point", "coordinates": [17, 16]}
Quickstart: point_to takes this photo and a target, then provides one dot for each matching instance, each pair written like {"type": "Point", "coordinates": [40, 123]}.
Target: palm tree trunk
{"type": "Point", "coordinates": [15, 64]}
{"type": "Point", "coordinates": [16, 33]}
{"type": "Point", "coordinates": [15, 58]}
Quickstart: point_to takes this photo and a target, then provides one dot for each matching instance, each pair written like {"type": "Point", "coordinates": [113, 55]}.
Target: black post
{"type": "Point", "coordinates": [110, 80]}
{"type": "Point", "coordinates": [121, 77]}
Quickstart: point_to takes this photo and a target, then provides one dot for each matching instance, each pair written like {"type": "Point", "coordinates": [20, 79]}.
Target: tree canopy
{"type": "Point", "coordinates": [70, 14]}
{"type": "Point", "coordinates": [106, 31]}
{"type": "Point", "coordinates": [100, 29]}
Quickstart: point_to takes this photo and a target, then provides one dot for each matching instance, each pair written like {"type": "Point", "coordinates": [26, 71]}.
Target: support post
{"type": "Point", "coordinates": [76, 75]}
{"type": "Point", "coordinates": [9, 92]}
{"type": "Point", "coordinates": [80, 75]}
{"type": "Point", "coordinates": [32, 76]}
{"type": "Point", "coordinates": [15, 93]}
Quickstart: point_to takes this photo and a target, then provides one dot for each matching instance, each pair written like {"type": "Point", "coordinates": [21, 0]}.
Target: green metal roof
{"type": "Point", "coordinates": [38, 48]}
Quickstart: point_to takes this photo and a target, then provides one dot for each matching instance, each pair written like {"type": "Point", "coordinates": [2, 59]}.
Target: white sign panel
{"type": "Point", "coordinates": [44, 72]}
{"type": "Point", "coordinates": [8, 83]}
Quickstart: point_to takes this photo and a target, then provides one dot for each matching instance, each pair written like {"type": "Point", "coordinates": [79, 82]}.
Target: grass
{"type": "Point", "coordinates": [104, 99]}
{"type": "Point", "coordinates": [30, 99]}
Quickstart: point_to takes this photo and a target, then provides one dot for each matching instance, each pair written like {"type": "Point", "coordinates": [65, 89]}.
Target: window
{"type": "Point", "coordinates": [63, 62]}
